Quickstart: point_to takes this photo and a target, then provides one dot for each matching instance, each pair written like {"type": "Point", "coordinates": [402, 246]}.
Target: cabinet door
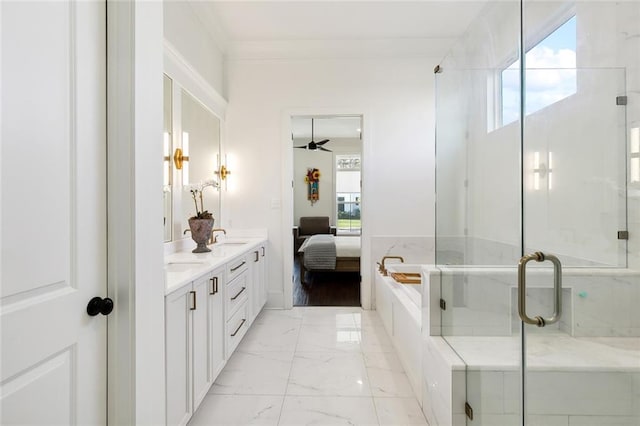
{"type": "Point", "coordinates": [202, 376]}
{"type": "Point", "coordinates": [216, 321]}
{"type": "Point", "coordinates": [178, 353]}
{"type": "Point", "coordinates": [263, 276]}
{"type": "Point", "coordinates": [256, 262]}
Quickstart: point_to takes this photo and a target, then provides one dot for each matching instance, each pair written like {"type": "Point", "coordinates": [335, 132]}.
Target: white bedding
{"type": "Point", "coordinates": [347, 246]}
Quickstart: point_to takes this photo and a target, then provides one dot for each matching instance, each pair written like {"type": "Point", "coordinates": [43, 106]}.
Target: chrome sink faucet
{"type": "Point", "coordinates": [382, 268]}
{"type": "Point", "coordinates": [214, 238]}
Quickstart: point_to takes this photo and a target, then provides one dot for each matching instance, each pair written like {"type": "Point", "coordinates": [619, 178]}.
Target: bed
{"type": "Point", "coordinates": [322, 253]}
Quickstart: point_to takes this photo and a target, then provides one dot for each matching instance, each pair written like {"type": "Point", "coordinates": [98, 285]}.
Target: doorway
{"type": "Point", "coordinates": [327, 207]}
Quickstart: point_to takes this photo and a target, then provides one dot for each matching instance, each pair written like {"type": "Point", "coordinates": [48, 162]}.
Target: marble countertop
{"type": "Point", "coordinates": [182, 267]}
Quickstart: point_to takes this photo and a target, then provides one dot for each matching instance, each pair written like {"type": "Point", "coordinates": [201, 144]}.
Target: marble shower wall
{"type": "Point", "coordinates": [482, 301]}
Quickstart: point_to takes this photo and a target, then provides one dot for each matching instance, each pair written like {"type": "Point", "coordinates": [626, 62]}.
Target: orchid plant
{"type": "Point", "coordinates": [197, 193]}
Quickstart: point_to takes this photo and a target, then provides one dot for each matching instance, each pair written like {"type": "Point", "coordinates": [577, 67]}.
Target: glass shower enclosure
{"type": "Point", "coordinates": [538, 213]}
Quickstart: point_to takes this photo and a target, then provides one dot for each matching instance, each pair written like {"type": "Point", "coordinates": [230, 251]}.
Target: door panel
{"type": "Point", "coordinates": [53, 232]}
{"type": "Point", "coordinates": [201, 326]}
{"type": "Point", "coordinates": [574, 205]}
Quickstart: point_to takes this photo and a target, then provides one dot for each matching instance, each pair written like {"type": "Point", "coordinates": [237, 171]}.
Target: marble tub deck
{"type": "Point", "coordinates": [549, 352]}
{"type": "Point", "coordinates": [413, 291]}
{"type": "Point", "coordinates": [312, 365]}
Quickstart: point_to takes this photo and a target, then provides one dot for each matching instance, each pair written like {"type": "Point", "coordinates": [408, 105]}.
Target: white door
{"type": "Point", "coordinates": [53, 216]}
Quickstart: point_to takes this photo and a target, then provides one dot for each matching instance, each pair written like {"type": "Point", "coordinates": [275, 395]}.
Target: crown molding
{"type": "Point", "coordinates": [339, 49]}
{"type": "Point", "coordinates": [178, 68]}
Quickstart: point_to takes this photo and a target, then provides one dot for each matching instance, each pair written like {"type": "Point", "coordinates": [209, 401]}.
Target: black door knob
{"type": "Point", "coordinates": [98, 305]}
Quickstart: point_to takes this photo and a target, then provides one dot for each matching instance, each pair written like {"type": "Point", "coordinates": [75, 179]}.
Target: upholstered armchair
{"type": "Point", "coordinates": [311, 225]}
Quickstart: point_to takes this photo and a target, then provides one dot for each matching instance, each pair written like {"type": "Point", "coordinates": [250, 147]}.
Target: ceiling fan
{"type": "Point", "coordinates": [313, 146]}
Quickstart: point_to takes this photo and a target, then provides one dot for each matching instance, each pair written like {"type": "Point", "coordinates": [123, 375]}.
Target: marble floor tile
{"type": "Point", "coordinates": [270, 316]}
{"type": "Point", "coordinates": [367, 318]}
{"type": "Point", "coordinates": [328, 373]}
{"type": "Point", "coordinates": [328, 338]}
{"type": "Point", "coordinates": [388, 383]}
{"type": "Point", "coordinates": [384, 361]}
{"type": "Point", "coordinates": [274, 337]}
{"type": "Point", "coordinates": [339, 317]}
{"type": "Point", "coordinates": [375, 339]}
{"type": "Point", "coordinates": [254, 373]}
{"type": "Point", "coordinates": [399, 411]}
{"type": "Point", "coordinates": [312, 366]}
{"type": "Point", "coordinates": [237, 410]}
{"type": "Point", "coordinates": [329, 411]}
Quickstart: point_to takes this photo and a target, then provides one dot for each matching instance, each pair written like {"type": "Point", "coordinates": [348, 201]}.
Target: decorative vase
{"type": "Point", "coordinates": [201, 233]}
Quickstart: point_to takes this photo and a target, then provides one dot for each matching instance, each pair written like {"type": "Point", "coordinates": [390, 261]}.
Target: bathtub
{"type": "Point", "coordinates": [399, 307]}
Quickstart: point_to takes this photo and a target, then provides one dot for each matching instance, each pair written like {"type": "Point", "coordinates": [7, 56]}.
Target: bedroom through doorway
{"type": "Point", "coordinates": [327, 206]}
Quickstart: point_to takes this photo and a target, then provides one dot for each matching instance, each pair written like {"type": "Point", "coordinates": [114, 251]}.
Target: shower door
{"type": "Point", "coordinates": [579, 301]}
{"type": "Point", "coordinates": [535, 137]}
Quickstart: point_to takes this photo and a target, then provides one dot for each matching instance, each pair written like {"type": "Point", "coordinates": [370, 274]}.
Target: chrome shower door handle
{"type": "Point", "coordinates": [522, 289]}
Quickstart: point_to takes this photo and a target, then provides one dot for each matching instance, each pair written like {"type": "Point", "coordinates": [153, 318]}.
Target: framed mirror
{"type": "Point", "coordinates": [193, 128]}
{"type": "Point", "coordinates": [201, 143]}
{"type": "Point", "coordinates": [167, 169]}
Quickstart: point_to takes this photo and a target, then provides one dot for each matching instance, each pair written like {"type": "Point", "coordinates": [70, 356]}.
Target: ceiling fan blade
{"type": "Point", "coordinates": [301, 146]}
{"type": "Point", "coordinates": [324, 149]}
{"type": "Point", "coordinates": [322, 142]}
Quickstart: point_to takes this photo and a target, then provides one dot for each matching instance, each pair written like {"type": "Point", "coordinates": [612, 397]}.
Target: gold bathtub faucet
{"type": "Point", "coordinates": [382, 268]}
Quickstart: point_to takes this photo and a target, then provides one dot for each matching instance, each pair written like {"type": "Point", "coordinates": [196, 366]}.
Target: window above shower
{"type": "Point", "coordinates": [550, 75]}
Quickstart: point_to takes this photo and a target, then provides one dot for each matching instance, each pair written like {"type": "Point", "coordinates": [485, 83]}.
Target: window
{"type": "Point", "coordinates": [348, 194]}
{"type": "Point", "coordinates": [550, 74]}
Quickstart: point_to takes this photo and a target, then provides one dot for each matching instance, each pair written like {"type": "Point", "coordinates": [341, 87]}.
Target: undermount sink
{"type": "Point", "coordinates": [181, 266]}
{"type": "Point", "coordinates": [233, 242]}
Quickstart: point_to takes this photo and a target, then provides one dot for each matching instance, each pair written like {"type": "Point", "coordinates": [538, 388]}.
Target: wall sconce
{"type": "Point", "coordinates": [634, 155]}
{"type": "Point", "coordinates": [541, 171]}
{"type": "Point", "coordinates": [223, 172]}
{"type": "Point", "coordinates": [181, 158]}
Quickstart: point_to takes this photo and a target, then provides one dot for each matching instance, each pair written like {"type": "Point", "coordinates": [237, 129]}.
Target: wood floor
{"type": "Point", "coordinates": [326, 288]}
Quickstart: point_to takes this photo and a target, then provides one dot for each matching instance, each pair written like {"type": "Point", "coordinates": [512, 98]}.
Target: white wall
{"type": "Point", "coordinates": [184, 30]}
{"type": "Point", "coordinates": [396, 98]}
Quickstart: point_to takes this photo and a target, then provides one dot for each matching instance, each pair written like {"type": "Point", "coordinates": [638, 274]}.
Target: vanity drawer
{"type": "Point", "coordinates": [236, 328]}
{"type": "Point", "coordinates": [236, 267]}
{"type": "Point", "coordinates": [237, 292]}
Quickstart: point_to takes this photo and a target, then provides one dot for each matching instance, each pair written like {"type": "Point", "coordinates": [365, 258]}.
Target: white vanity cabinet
{"type": "Point", "coordinates": [194, 344]}
{"type": "Point", "coordinates": [259, 274]}
{"type": "Point", "coordinates": [210, 303]}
